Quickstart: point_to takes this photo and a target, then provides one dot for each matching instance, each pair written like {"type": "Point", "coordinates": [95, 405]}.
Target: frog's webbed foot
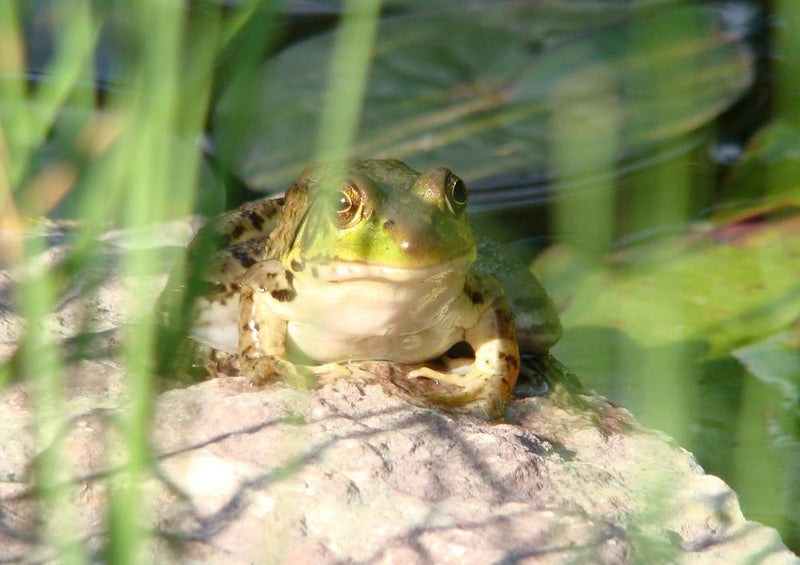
{"type": "Point", "coordinates": [532, 380]}
{"type": "Point", "coordinates": [474, 391]}
{"type": "Point", "coordinates": [261, 370]}
{"type": "Point", "coordinates": [329, 372]}
{"type": "Point", "coordinates": [544, 375]}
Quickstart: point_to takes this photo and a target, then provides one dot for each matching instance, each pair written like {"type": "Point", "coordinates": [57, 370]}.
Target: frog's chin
{"type": "Point", "coordinates": [343, 271]}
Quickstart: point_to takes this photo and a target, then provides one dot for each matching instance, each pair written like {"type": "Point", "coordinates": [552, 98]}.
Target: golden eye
{"type": "Point", "coordinates": [349, 205]}
{"type": "Point", "coordinates": [457, 193]}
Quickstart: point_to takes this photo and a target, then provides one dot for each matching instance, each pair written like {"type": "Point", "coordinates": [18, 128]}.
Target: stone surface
{"type": "Point", "coordinates": [351, 472]}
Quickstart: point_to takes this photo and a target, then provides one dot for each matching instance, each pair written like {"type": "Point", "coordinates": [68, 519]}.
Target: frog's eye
{"type": "Point", "coordinates": [349, 205]}
{"type": "Point", "coordinates": [457, 193]}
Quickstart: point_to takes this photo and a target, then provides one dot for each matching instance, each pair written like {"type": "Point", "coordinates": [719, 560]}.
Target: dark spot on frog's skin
{"type": "Point", "coordinates": [314, 272]}
{"type": "Point", "coordinates": [237, 232]}
{"type": "Point", "coordinates": [289, 277]}
{"type": "Point", "coordinates": [251, 325]}
{"type": "Point", "coordinates": [511, 360]}
{"type": "Point", "coordinates": [277, 207]}
{"type": "Point", "coordinates": [245, 259]}
{"type": "Point", "coordinates": [504, 323]}
{"type": "Point", "coordinates": [223, 291]}
{"type": "Point", "coordinates": [283, 294]}
{"type": "Point", "coordinates": [255, 219]}
{"type": "Point", "coordinates": [297, 266]}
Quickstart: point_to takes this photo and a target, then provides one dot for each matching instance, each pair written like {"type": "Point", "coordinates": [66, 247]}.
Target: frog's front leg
{"type": "Point", "coordinates": [262, 334]}
{"type": "Point", "coordinates": [490, 381]}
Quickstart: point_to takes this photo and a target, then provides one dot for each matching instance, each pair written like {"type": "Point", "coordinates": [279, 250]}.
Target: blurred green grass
{"type": "Point", "coordinates": [642, 326]}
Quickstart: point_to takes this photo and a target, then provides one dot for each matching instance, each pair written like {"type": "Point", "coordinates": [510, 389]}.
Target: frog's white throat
{"type": "Point", "coordinates": [356, 311]}
{"type": "Point", "coordinates": [360, 311]}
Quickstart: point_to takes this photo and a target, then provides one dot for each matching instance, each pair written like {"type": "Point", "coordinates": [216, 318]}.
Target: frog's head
{"type": "Point", "coordinates": [379, 218]}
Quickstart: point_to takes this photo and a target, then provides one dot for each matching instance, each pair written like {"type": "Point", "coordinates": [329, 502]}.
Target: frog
{"type": "Point", "coordinates": [369, 261]}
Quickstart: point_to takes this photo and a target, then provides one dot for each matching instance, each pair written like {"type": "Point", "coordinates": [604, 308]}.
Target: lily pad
{"type": "Point", "coordinates": [475, 89]}
{"type": "Point", "coordinates": [719, 291]}
{"type": "Point", "coordinates": [776, 361]}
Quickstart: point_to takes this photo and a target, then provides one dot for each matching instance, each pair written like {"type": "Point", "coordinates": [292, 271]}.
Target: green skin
{"type": "Point", "coordinates": [375, 261]}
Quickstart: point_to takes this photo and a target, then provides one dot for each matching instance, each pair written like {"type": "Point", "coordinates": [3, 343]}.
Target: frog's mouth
{"type": "Point", "coordinates": [343, 271]}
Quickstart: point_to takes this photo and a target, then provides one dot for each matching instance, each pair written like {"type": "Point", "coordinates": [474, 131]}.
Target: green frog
{"type": "Point", "coordinates": [371, 261]}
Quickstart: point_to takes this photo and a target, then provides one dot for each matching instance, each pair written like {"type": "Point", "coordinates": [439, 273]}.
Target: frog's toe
{"type": "Point", "coordinates": [264, 369]}
{"type": "Point", "coordinates": [472, 391]}
{"type": "Point", "coordinates": [439, 376]}
{"type": "Point", "coordinates": [329, 372]}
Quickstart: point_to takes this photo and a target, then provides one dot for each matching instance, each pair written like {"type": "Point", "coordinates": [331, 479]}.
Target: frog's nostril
{"type": "Point", "coordinates": [388, 224]}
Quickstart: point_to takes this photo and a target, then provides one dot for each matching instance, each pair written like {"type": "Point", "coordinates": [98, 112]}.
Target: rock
{"type": "Point", "coordinates": [350, 473]}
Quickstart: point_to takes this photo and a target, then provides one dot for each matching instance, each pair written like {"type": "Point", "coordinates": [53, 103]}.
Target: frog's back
{"type": "Point", "coordinates": [535, 316]}
{"type": "Point", "coordinates": [202, 295]}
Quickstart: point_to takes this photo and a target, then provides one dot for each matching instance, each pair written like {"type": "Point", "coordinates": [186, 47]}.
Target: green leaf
{"type": "Point", "coordinates": [474, 89]}
{"type": "Point", "coordinates": [689, 289]}
{"type": "Point", "coordinates": [776, 361]}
